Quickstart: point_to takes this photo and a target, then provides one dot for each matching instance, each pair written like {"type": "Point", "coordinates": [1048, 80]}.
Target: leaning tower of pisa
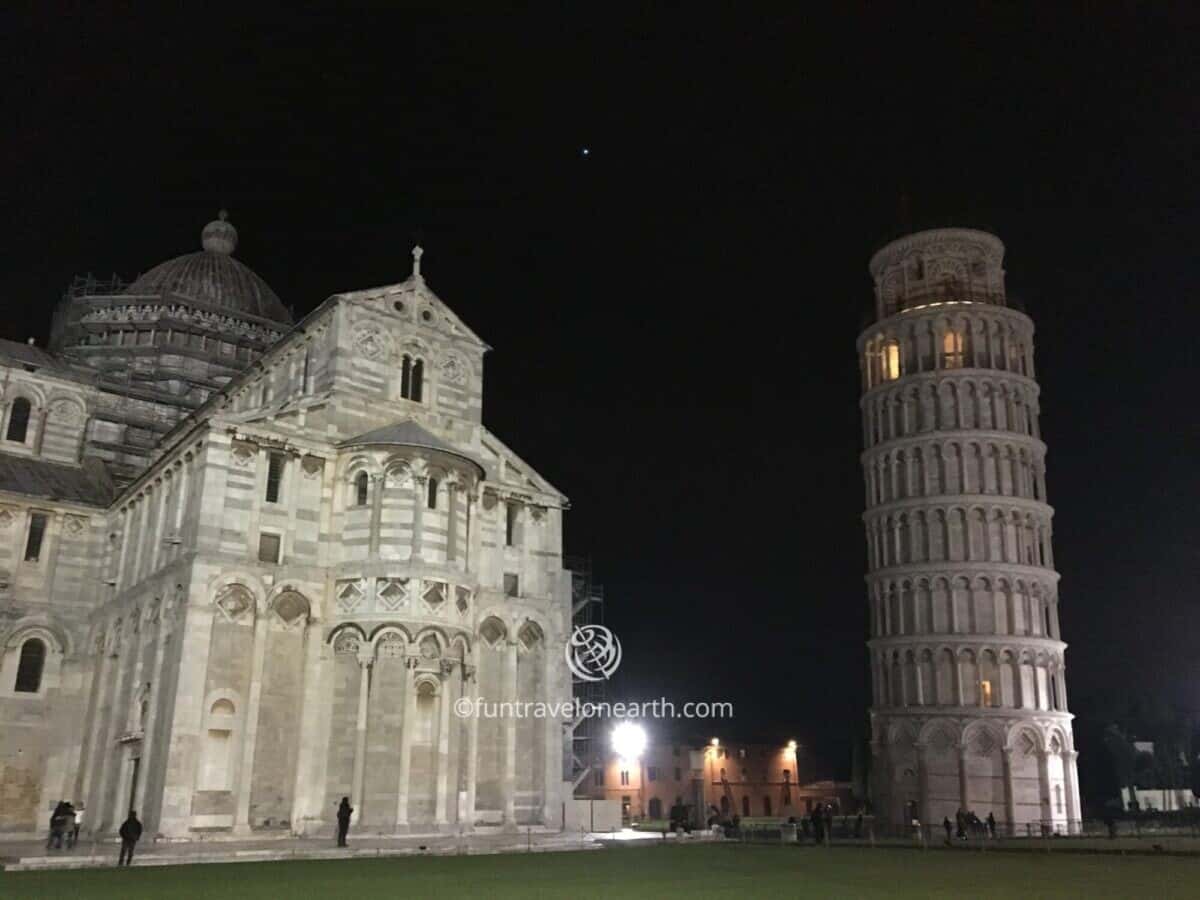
{"type": "Point", "coordinates": [969, 698]}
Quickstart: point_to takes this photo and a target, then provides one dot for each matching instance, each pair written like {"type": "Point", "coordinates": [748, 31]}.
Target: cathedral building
{"type": "Point", "coordinates": [970, 701]}
{"type": "Point", "coordinates": [248, 566]}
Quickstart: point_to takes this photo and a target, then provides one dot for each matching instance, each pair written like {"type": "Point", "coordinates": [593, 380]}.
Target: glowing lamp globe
{"type": "Point", "coordinates": [629, 740]}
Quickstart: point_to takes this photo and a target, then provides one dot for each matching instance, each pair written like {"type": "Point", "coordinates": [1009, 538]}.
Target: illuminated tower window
{"type": "Point", "coordinates": [891, 361]}
{"type": "Point", "coordinates": [952, 349]}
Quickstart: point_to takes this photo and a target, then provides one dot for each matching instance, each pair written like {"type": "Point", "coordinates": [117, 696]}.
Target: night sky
{"type": "Point", "coordinates": [674, 313]}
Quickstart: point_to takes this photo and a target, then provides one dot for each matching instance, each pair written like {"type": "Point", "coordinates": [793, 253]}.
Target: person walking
{"type": "Point", "coordinates": [991, 825]}
{"type": "Point", "coordinates": [345, 810]}
{"type": "Point", "coordinates": [131, 833]}
{"type": "Point", "coordinates": [946, 825]}
{"type": "Point", "coordinates": [818, 825]}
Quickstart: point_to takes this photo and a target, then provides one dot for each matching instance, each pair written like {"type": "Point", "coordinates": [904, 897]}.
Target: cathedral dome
{"type": "Point", "coordinates": [213, 278]}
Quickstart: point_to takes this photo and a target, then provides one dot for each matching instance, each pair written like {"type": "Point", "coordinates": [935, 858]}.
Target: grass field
{"type": "Point", "coordinates": [698, 871]}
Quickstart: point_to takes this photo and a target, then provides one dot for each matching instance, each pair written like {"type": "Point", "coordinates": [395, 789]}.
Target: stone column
{"type": "Point", "coordinates": [471, 689]}
{"type": "Point", "coordinates": [149, 743]}
{"type": "Point", "coordinates": [963, 787]}
{"type": "Point", "coordinates": [241, 822]}
{"type": "Point", "coordinates": [1044, 785]}
{"type": "Point", "coordinates": [378, 484]}
{"type": "Point", "coordinates": [1010, 800]}
{"type": "Point", "coordinates": [366, 657]}
{"type": "Point", "coordinates": [552, 735]}
{"type": "Point", "coordinates": [923, 782]}
{"type": "Point", "coordinates": [1071, 790]}
{"type": "Point", "coordinates": [407, 724]}
{"type": "Point", "coordinates": [308, 787]}
{"type": "Point", "coordinates": [441, 804]}
{"type": "Point", "coordinates": [1073, 774]}
{"type": "Point", "coordinates": [108, 737]}
{"type": "Point", "coordinates": [93, 748]}
{"type": "Point", "coordinates": [418, 543]}
{"type": "Point", "coordinates": [509, 781]}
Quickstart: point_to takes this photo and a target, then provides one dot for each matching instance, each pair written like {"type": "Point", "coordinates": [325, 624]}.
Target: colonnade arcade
{"type": "Point", "coordinates": [1017, 770]}
{"type": "Point", "coordinates": [408, 743]}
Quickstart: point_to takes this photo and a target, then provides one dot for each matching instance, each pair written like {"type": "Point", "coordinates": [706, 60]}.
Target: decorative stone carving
{"type": "Point", "coordinates": [291, 608]}
{"type": "Point", "coordinates": [350, 594]}
{"type": "Point", "coordinates": [311, 467]}
{"type": "Point", "coordinates": [234, 602]}
{"type": "Point", "coordinates": [63, 410]}
{"type": "Point", "coordinates": [391, 647]}
{"type": "Point", "coordinates": [372, 342]}
{"type": "Point", "coordinates": [6, 517]}
{"type": "Point", "coordinates": [244, 455]}
{"type": "Point", "coordinates": [455, 369]}
{"type": "Point", "coordinates": [392, 593]}
{"type": "Point", "coordinates": [462, 599]}
{"type": "Point", "coordinates": [347, 644]}
{"type": "Point", "coordinates": [74, 525]}
{"type": "Point", "coordinates": [429, 648]}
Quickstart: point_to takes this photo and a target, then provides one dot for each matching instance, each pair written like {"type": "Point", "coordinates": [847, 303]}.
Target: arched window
{"type": "Point", "coordinates": [952, 349]}
{"type": "Point", "coordinates": [18, 420]}
{"type": "Point", "coordinates": [29, 669]}
{"type": "Point", "coordinates": [361, 489]}
{"type": "Point", "coordinates": [412, 377]}
{"type": "Point", "coordinates": [431, 494]}
{"type": "Point", "coordinates": [418, 378]}
{"type": "Point", "coordinates": [891, 361]}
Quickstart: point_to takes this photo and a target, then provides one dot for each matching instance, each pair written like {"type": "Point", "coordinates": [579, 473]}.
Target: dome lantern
{"type": "Point", "coordinates": [219, 235]}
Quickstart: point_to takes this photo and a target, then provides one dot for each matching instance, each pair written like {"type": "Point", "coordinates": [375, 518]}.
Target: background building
{"type": "Point", "coordinates": [247, 567]}
{"type": "Point", "coordinates": [970, 704]}
{"type": "Point", "coordinates": [747, 780]}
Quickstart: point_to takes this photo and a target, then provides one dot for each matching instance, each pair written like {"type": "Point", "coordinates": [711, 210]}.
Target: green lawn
{"type": "Point", "coordinates": [697, 871]}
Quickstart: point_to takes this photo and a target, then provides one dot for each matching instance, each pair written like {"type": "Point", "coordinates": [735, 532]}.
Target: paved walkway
{"type": "Point", "coordinates": [27, 855]}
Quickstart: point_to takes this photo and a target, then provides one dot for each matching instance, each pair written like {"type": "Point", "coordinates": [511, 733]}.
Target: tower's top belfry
{"type": "Point", "coordinates": [941, 266]}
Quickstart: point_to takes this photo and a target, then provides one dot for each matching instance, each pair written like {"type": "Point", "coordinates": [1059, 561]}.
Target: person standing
{"type": "Point", "coordinates": [57, 824]}
{"type": "Point", "coordinates": [991, 825]}
{"type": "Point", "coordinates": [74, 838]}
{"type": "Point", "coordinates": [131, 833]}
{"type": "Point", "coordinates": [946, 825]}
{"type": "Point", "coordinates": [345, 810]}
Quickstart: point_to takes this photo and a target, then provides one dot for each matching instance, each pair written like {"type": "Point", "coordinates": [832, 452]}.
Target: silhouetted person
{"type": "Point", "coordinates": [991, 824]}
{"type": "Point", "coordinates": [131, 833]}
{"type": "Point", "coordinates": [858, 826]}
{"type": "Point", "coordinates": [58, 824]}
{"type": "Point", "coordinates": [345, 810]}
{"type": "Point", "coordinates": [818, 825]}
{"type": "Point", "coordinates": [960, 825]}
{"type": "Point", "coordinates": [946, 825]}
